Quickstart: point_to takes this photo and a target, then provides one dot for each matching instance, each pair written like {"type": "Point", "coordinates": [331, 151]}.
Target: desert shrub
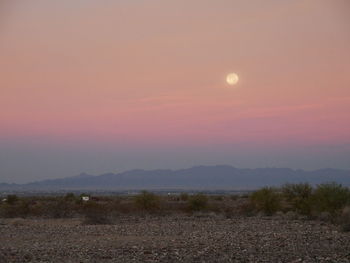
{"type": "Point", "coordinates": [344, 219]}
{"type": "Point", "coordinates": [215, 207]}
{"type": "Point", "coordinates": [298, 196]}
{"type": "Point", "coordinates": [126, 207]}
{"type": "Point", "coordinates": [229, 212]}
{"type": "Point", "coordinates": [175, 207]}
{"type": "Point", "coordinates": [232, 208]}
{"type": "Point", "coordinates": [198, 202]}
{"type": "Point", "coordinates": [116, 206]}
{"type": "Point", "coordinates": [36, 209]}
{"type": "Point", "coordinates": [218, 198]}
{"type": "Point", "coordinates": [12, 199]}
{"type": "Point", "coordinates": [95, 214]}
{"type": "Point", "coordinates": [234, 197]}
{"type": "Point", "coordinates": [331, 198]}
{"type": "Point", "coordinates": [70, 197]}
{"type": "Point", "coordinates": [291, 215]}
{"type": "Point", "coordinates": [8, 211]}
{"type": "Point", "coordinates": [184, 197]}
{"type": "Point", "coordinates": [323, 216]}
{"type": "Point", "coordinates": [19, 209]}
{"type": "Point", "coordinates": [246, 209]}
{"type": "Point", "coordinates": [24, 208]}
{"type": "Point", "coordinates": [59, 208]}
{"type": "Point", "coordinates": [147, 201]}
{"type": "Point", "coordinates": [266, 200]}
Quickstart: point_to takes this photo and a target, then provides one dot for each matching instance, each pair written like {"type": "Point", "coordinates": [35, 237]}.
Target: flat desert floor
{"type": "Point", "coordinates": [174, 238]}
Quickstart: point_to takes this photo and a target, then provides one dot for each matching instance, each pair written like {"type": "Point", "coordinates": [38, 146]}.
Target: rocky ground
{"type": "Point", "coordinates": [180, 238]}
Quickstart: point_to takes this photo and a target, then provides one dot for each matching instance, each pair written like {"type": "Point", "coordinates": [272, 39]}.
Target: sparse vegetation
{"type": "Point", "coordinates": [234, 197]}
{"type": "Point", "coordinates": [344, 219]}
{"type": "Point", "coordinates": [59, 209]}
{"type": "Point", "coordinates": [298, 196]}
{"type": "Point", "coordinates": [184, 197]}
{"type": "Point", "coordinates": [95, 214]}
{"type": "Point", "coordinates": [198, 202]}
{"type": "Point", "coordinates": [331, 198]}
{"type": "Point", "coordinates": [147, 201]}
{"type": "Point", "coordinates": [12, 199]}
{"type": "Point", "coordinates": [70, 197]}
{"type": "Point", "coordinates": [266, 200]}
{"type": "Point", "coordinates": [247, 208]}
{"type": "Point", "coordinates": [327, 202]}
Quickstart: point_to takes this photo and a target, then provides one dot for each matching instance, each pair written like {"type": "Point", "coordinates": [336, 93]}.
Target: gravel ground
{"type": "Point", "coordinates": [173, 239]}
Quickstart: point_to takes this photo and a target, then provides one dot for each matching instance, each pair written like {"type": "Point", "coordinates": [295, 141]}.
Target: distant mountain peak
{"type": "Point", "coordinates": [197, 177]}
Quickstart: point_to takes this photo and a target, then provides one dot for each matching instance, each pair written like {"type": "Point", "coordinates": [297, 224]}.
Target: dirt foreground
{"type": "Point", "coordinates": [180, 238]}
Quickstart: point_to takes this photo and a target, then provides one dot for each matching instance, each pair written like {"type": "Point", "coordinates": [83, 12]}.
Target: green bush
{"type": "Point", "coordinates": [331, 198]}
{"type": "Point", "coordinates": [266, 200]}
{"type": "Point", "coordinates": [147, 201]}
{"type": "Point", "coordinates": [299, 197]}
{"type": "Point", "coordinates": [198, 202]}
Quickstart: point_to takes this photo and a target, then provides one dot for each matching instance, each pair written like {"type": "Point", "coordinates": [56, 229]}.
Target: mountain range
{"type": "Point", "coordinates": [223, 177]}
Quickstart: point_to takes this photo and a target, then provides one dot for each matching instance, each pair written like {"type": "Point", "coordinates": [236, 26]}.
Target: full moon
{"type": "Point", "coordinates": [232, 79]}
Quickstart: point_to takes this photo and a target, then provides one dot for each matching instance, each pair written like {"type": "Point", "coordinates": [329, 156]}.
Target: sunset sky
{"type": "Point", "coordinates": [105, 86]}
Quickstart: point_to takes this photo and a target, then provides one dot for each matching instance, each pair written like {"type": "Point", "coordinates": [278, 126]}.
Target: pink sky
{"type": "Point", "coordinates": [142, 73]}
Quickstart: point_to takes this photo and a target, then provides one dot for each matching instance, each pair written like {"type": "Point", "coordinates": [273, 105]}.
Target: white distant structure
{"type": "Point", "coordinates": [85, 198]}
{"type": "Point", "coordinates": [4, 200]}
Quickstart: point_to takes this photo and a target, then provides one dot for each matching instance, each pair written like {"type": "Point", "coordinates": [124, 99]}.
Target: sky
{"type": "Point", "coordinates": [106, 86]}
